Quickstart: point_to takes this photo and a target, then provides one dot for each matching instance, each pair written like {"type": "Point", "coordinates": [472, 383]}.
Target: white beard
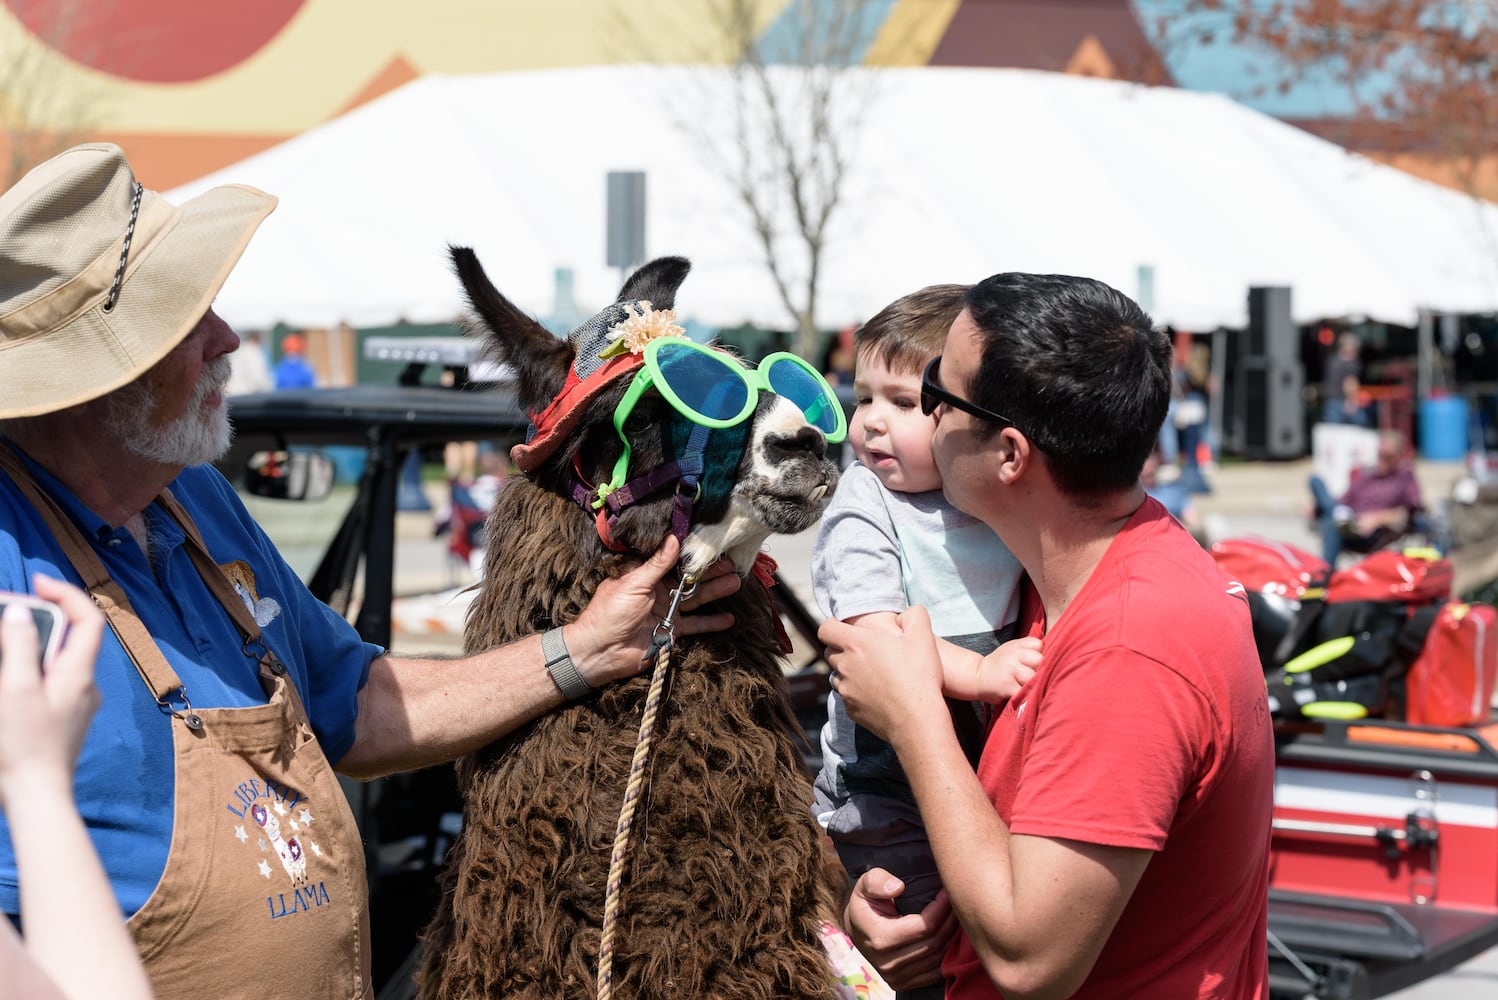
{"type": "Point", "coordinates": [195, 438]}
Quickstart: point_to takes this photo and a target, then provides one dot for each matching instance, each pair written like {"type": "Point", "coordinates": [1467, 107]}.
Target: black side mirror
{"type": "Point", "coordinates": [289, 475]}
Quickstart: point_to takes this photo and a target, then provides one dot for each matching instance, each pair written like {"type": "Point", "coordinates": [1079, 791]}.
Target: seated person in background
{"type": "Point", "coordinates": [1343, 383]}
{"type": "Point", "coordinates": [1380, 503]}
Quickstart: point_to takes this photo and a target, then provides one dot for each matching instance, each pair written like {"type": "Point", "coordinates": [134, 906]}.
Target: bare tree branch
{"type": "Point", "coordinates": [796, 112]}
{"type": "Point", "coordinates": [1421, 76]}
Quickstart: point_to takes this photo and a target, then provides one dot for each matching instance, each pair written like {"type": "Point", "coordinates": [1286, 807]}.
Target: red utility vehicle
{"type": "Point", "coordinates": [1384, 853]}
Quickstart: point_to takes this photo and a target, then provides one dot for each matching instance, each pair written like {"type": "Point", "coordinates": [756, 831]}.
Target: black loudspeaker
{"type": "Point", "coordinates": [1272, 397]}
{"type": "Point", "coordinates": [1271, 331]}
{"type": "Point", "coordinates": [1265, 395]}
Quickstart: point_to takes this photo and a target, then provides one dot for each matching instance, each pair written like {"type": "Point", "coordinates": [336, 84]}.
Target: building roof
{"type": "Point", "coordinates": [1087, 37]}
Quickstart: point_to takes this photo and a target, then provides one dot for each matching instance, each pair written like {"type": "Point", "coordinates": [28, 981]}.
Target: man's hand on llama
{"type": "Point", "coordinates": [611, 639]}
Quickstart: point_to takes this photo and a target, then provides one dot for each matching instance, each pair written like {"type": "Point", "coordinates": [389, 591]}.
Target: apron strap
{"type": "Point", "coordinates": [272, 671]}
{"type": "Point", "coordinates": [159, 677]}
{"type": "Point", "coordinates": [217, 580]}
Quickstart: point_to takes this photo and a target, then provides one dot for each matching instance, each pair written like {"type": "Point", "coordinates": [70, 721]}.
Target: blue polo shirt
{"type": "Point", "coordinates": [125, 777]}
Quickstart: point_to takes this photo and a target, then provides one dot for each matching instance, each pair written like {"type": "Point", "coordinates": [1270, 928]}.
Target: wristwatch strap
{"type": "Point", "coordinates": [559, 664]}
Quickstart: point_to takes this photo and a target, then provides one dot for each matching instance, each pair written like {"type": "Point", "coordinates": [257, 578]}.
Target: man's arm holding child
{"type": "Point", "coordinates": [1037, 910]}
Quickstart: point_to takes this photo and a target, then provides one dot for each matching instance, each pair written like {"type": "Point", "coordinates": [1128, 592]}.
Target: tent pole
{"type": "Point", "coordinates": [1424, 347]}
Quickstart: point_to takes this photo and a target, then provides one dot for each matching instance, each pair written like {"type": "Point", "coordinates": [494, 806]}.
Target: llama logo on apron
{"type": "Point", "coordinates": [288, 849]}
{"type": "Point", "coordinates": [275, 822]}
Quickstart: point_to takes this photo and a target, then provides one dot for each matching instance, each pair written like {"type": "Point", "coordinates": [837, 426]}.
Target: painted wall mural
{"type": "Point", "coordinates": [189, 86]}
{"type": "Point", "coordinates": [156, 41]}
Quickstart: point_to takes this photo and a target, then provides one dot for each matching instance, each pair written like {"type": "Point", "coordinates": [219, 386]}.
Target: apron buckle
{"type": "Point", "coordinates": [265, 655]}
{"type": "Point", "coordinates": [193, 720]}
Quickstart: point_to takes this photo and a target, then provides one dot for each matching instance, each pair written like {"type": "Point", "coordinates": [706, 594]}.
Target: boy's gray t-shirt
{"type": "Point", "coordinates": [878, 550]}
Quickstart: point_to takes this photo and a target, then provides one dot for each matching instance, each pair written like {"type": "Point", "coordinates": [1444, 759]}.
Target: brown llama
{"type": "Point", "coordinates": [728, 880]}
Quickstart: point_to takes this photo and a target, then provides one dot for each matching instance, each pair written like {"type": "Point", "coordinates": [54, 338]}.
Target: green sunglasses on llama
{"type": "Point", "coordinates": [713, 389]}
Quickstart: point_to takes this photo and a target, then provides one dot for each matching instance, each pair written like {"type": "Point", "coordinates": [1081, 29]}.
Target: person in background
{"type": "Point", "coordinates": [1343, 383]}
{"type": "Point", "coordinates": [889, 540]}
{"type": "Point", "coordinates": [76, 945]}
{"type": "Point", "coordinates": [838, 359]}
{"type": "Point", "coordinates": [1381, 502]}
{"type": "Point", "coordinates": [249, 367]}
{"type": "Point", "coordinates": [1114, 841]}
{"type": "Point", "coordinates": [1195, 381]}
{"type": "Point", "coordinates": [494, 468]}
{"type": "Point", "coordinates": [293, 371]}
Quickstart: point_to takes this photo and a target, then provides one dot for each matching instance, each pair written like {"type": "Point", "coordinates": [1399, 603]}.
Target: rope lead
{"type": "Point", "coordinates": [662, 642]}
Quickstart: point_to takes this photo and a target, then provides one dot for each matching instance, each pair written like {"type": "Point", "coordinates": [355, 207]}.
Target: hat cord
{"type": "Point", "coordinates": [119, 272]}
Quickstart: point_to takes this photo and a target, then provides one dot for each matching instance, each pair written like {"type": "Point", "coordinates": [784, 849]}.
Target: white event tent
{"type": "Point", "coordinates": [957, 174]}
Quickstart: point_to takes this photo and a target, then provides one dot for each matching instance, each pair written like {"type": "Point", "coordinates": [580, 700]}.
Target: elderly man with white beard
{"type": "Point", "coordinates": [229, 694]}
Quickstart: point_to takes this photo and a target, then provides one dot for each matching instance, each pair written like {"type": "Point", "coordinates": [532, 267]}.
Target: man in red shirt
{"type": "Point", "coordinates": [1114, 841]}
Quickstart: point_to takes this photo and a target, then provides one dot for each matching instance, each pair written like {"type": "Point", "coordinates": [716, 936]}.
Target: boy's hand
{"type": "Point", "coordinates": [1008, 668]}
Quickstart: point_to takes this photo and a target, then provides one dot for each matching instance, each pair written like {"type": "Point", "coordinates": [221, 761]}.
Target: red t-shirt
{"type": "Point", "coordinates": [1147, 726]}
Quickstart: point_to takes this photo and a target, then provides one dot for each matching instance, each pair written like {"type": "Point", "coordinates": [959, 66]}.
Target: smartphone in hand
{"type": "Point", "coordinates": [46, 615]}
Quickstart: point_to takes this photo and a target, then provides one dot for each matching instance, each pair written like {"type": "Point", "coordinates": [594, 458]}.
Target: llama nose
{"type": "Point", "coordinates": [805, 440]}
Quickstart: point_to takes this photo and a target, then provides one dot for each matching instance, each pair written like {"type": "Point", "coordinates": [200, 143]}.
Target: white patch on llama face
{"type": "Point", "coordinates": [781, 490]}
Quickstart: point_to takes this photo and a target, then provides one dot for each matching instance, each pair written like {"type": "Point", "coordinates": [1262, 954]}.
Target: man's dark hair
{"type": "Point", "coordinates": [911, 330]}
{"type": "Point", "coordinates": [1079, 368]}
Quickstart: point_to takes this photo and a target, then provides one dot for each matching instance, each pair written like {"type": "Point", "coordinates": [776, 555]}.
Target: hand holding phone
{"type": "Point", "coordinates": [44, 716]}
{"type": "Point", "coordinates": [45, 616]}
{"type": "Point", "coordinates": [64, 890]}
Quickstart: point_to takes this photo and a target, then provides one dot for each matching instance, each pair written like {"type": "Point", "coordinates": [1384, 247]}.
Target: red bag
{"type": "Point", "coordinates": [1387, 575]}
{"type": "Point", "coordinates": [1451, 683]}
{"type": "Point", "coordinates": [1265, 566]}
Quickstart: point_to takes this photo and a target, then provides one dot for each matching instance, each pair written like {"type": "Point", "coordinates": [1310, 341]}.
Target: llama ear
{"type": "Point", "coordinates": [539, 358]}
{"type": "Point", "coordinates": [656, 282]}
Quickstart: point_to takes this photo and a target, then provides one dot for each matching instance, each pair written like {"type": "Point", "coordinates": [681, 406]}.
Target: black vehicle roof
{"type": "Point", "coordinates": [346, 415]}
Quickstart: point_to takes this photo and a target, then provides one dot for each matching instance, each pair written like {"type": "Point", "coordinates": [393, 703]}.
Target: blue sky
{"type": "Point", "coordinates": [1245, 74]}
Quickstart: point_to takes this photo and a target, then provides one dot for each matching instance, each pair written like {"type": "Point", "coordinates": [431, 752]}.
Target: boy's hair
{"type": "Point", "coordinates": [912, 330]}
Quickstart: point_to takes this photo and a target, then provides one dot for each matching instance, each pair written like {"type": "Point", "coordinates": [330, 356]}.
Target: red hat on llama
{"type": "Point", "coordinates": [608, 345]}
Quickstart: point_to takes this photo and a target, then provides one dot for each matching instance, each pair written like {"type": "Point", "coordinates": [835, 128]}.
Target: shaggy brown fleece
{"type": "Point", "coordinates": [729, 877]}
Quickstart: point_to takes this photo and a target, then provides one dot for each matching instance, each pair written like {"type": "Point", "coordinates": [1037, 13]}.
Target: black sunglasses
{"type": "Point", "coordinates": [933, 395]}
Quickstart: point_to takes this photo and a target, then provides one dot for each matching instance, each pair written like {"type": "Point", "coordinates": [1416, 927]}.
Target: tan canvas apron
{"type": "Point", "coordinates": [264, 891]}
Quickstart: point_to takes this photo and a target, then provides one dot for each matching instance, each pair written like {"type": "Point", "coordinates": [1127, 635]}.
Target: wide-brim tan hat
{"type": "Point", "coordinates": [73, 325]}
